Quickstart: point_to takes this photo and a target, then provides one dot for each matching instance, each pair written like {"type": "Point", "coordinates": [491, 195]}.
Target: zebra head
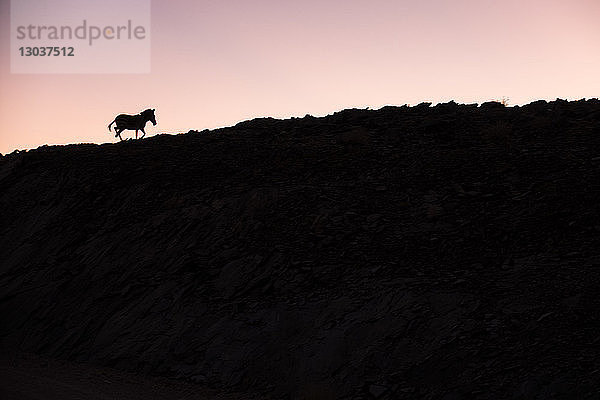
{"type": "Point", "coordinates": [149, 115]}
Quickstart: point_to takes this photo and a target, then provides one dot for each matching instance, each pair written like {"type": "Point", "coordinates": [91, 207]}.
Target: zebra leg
{"type": "Point", "coordinates": [144, 133]}
{"type": "Point", "coordinates": [136, 131]}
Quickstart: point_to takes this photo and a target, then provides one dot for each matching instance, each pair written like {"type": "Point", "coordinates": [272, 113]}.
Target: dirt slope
{"type": "Point", "coordinates": [411, 252]}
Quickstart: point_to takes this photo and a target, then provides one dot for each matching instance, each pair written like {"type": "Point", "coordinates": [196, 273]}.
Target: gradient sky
{"type": "Point", "coordinates": [215, 63]}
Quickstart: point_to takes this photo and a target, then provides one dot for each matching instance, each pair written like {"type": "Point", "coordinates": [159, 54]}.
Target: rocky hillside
{"type": "Point", "coordinates": [408, 252]}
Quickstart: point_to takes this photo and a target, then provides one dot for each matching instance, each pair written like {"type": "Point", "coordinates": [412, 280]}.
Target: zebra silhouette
{"type": "Point", "coordinates": [133, 122]}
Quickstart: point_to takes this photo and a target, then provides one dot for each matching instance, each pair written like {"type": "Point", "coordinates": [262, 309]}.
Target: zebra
{"type": "Point", "coordinates": [137, 122]}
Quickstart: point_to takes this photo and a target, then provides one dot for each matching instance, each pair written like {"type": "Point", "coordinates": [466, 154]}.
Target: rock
{"type": "Point", "coordinates": [492, 105]}
{"type": "Point", "coordinates": [355, 136]}
{"type": "Point", "coordinates": [377, 391]}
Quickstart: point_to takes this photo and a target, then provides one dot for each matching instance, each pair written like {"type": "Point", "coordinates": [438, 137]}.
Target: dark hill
{"type": "Point", "coordinates": [407, 252]}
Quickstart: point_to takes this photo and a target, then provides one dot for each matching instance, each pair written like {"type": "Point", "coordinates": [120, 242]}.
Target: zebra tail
{"type": "Point", "coordinates": [110, 125]}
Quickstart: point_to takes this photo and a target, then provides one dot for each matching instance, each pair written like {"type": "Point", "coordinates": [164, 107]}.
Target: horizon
{"type": "Point", "coordinates": [161, 133]}
{"type": "Point", "coordinates": [214, 65]}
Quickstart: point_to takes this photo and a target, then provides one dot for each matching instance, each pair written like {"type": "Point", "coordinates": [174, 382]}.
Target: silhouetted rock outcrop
{"type": "Point", "coordinates": [406, 252]}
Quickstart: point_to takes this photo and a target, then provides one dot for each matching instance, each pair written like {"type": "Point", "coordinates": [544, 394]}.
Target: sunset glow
{"type": "Point", "coordinates": [215, 63]}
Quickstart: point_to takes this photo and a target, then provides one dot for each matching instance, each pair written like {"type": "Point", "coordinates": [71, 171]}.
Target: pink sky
{"type": "Point", "coordinates": [215, 63]}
